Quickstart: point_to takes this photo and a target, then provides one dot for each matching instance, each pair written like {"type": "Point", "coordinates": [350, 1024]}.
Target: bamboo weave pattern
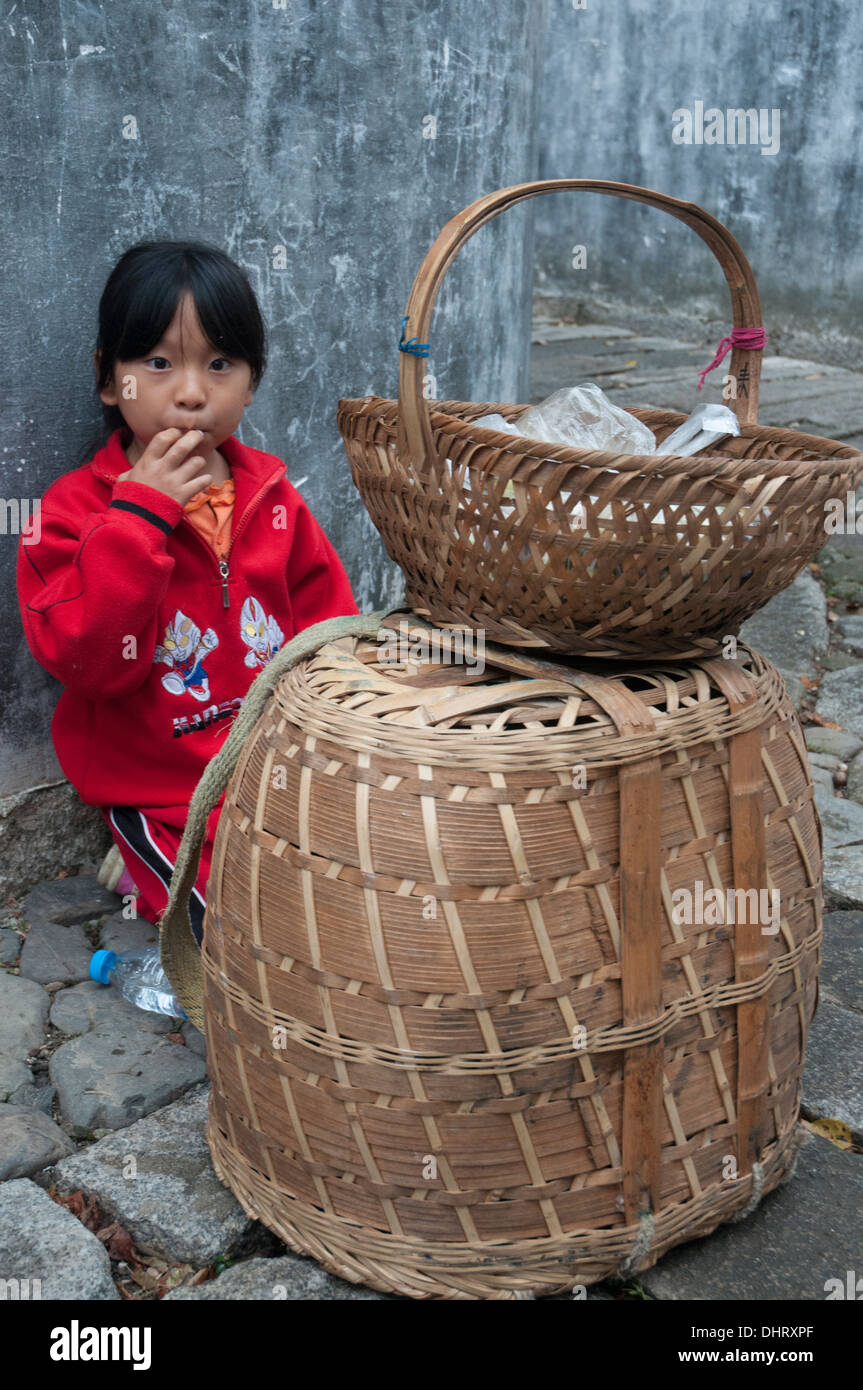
{"type": "Point", "coordinates": [598, 554]}
{"type": "Point", "coordinates": [413, 910]}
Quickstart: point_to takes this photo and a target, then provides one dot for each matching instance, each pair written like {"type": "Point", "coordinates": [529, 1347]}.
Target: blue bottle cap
{"type": "Point", "coordinates": [101, 965]}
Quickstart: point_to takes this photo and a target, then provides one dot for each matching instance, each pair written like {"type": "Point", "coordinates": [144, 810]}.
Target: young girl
{"type": "Point", "coordinates": [173, 565]}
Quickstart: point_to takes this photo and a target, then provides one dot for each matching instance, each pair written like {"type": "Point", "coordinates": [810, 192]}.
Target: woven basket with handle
{"type": "Point", "coordinates": [589, 552]}
{"type": "Point", "coordinates": [462, 1043]}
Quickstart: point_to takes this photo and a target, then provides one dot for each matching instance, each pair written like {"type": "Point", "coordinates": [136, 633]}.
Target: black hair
{"type": "Point", "coordinates": [141, 297]}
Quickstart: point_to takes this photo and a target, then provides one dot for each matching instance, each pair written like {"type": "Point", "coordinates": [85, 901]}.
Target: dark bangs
{"type": "Point", "coordinates": [141, 297]}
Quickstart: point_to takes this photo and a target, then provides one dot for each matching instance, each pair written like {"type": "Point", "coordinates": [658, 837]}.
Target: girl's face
{"type": "Point", "coordinates": [183, 383]}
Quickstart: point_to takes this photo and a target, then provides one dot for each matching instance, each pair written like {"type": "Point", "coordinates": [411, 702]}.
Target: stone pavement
{"type": "Point", "coordinates": [663, 373]}
{"type": "Point", "coordinates": [107, 1190]}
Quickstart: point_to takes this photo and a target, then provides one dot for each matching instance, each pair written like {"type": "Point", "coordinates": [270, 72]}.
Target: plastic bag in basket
{"type": "Point", "coordinates": [583, 417]}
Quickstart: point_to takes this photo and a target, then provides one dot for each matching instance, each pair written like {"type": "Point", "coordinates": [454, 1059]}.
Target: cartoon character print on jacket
{"type": "Point", "coordinates": [261, 634]}
{"type": "Point", "coordinates": [182, 651]}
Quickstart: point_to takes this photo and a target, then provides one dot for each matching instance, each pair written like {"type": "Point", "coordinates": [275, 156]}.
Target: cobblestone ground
{"type": "Point", "coordinates": [95, 1093]}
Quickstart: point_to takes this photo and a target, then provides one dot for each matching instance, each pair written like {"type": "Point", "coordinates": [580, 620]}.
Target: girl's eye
{"type": "Point", "coordinates": [160, 362]}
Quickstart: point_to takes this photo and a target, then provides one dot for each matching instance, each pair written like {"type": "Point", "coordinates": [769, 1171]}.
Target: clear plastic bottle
{"type": "Point", "coordinates": [139, 977]}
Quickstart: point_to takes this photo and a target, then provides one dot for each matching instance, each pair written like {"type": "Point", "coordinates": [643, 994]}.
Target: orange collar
{"type": "Point", "coordinates": [215, 492]}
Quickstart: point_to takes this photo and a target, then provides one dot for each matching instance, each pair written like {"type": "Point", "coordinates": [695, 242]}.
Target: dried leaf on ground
{"type": "Point", "coordinates": [813, 717]}
{"type": "Point", "coordinates": [118, 1243]}
{"type": "Point", "coordinates": [835, 1130]}
{"type": "Point", "coordinates": [175, 1278]}
{"type": "Point", "coordinates": [82, 1205]}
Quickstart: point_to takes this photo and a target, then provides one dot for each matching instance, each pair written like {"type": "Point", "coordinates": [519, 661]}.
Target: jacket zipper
{"type": "Point", "coordinates": [222, 560]}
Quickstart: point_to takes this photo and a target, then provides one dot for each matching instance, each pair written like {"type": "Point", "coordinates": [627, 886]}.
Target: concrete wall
{"type": "Point", "coordinates": [256, 126]}
{"type": "Point", "coordinates": [615, 72]}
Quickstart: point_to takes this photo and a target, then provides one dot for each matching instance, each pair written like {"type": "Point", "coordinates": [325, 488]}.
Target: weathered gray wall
{"type": "Point", "coordinates": [615, 72]}
{"type": "Point", "coordinates": [257, 126]}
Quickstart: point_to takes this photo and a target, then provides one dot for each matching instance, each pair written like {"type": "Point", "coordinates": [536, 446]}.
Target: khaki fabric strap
{"type": "Point", "coordinates": [181, 955]}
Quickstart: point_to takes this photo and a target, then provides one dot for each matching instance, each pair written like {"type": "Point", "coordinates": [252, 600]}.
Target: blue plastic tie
{"type": "Point", "coordinates": [415, 348]}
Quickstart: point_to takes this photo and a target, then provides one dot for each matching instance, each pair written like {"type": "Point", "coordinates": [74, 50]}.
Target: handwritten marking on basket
{"type": "Point", "coordinates": [842, 519]}
{"type": "Point", "coordinates": [412, 345]}
{"type": "Point", "coordinates": [750, 339]}
{"type": "Point", "coordinates": [734, 126]}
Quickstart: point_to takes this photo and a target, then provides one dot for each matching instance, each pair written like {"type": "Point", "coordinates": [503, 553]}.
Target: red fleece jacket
{"type": "Point", "coordinates": [155, 639]}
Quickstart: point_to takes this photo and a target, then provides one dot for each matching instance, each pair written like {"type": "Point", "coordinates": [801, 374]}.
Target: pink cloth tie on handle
{"type": "Point", "coordinates": [748, 338]}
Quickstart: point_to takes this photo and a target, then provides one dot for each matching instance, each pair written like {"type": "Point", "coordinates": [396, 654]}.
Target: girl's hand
{"type": "Point", "coordinates": [167, 466]}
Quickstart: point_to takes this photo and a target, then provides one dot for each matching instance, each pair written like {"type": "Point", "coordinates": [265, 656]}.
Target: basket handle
{"type": "Point", "coordinates": [415, 438]}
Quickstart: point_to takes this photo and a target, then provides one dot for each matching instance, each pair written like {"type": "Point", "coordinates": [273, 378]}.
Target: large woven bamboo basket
{"type": "Point", "coordinates": [589, 552]}
{"type": "Point", "coordinates": [463, 1041]}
